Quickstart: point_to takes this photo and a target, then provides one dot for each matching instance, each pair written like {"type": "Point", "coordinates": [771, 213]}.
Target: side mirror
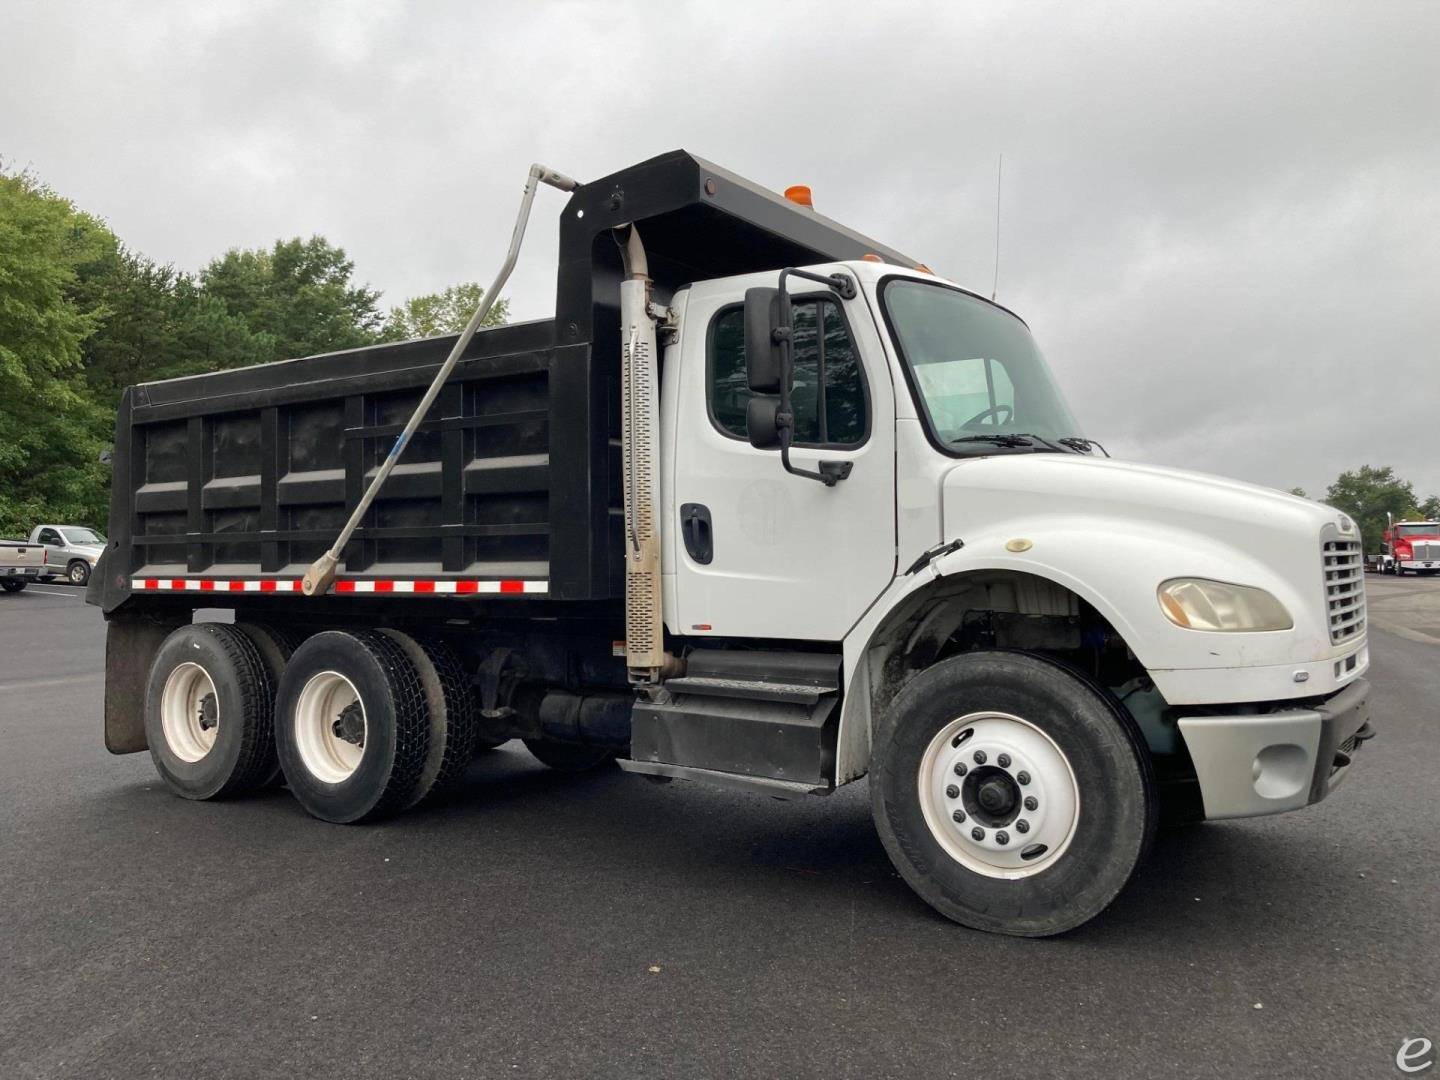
{"type": "Point", "coordinates": [762, 422]}
{"type": "Point", "coordinates": [763, 359]}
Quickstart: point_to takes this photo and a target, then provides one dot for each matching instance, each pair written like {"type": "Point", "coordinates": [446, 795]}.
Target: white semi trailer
{"type": "Point", "coordinates": [766, 505]}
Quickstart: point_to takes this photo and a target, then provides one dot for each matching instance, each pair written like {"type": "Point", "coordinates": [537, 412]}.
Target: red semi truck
{"type": "Point", "coordinates": [1411, 545]}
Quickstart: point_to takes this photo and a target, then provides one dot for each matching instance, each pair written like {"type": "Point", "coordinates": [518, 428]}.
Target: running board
{"type": "Point", "coordinates": [757, 785]}
{"type": "Point", "coordinates": [769, 718]}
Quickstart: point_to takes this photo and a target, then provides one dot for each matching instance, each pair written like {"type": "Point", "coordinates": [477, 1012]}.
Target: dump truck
{"type": "Point", "coordinates": [766, 505]}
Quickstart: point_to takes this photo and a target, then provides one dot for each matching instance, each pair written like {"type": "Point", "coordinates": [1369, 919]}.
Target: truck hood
{"type": "Point", "coordinates": [1174, 497]}
{"type": "Point", "coordinates": [1112, 531]}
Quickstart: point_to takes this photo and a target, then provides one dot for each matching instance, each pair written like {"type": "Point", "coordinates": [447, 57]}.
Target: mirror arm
{"type": "Point", "coordinates": [831, 472]}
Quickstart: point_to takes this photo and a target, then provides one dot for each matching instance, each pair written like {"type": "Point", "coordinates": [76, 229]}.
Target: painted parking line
{"type": "Point", "coordinates": [35, 684]}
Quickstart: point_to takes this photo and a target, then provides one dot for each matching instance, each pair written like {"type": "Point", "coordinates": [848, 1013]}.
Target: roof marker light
{"type": "Point", "coordinates": [800, 194]}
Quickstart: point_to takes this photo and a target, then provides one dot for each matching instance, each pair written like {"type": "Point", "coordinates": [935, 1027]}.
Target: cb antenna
{"type": "Point", "coordinates": [999, 171]}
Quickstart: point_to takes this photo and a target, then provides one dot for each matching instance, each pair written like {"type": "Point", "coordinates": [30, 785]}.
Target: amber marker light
{"type": "Point", "coordinates": [800, 194]}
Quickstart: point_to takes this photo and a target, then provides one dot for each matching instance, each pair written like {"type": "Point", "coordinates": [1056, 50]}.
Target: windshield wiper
{"type": "Point", "coordinates": [998, 440]}
{"type": "Point", "coordinates": [1075, 442]}
{"type": "Point", "coordinates": [1014, 438]}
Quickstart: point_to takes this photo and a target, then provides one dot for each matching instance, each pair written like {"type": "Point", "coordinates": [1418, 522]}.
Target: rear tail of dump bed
{"type": "Point", "coordinates": [236, 481]}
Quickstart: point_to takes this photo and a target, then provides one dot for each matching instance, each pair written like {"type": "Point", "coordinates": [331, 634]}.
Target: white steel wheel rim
{"type": "Point", "coordinates": [325, 753]}
{"type": "Point", "coordinates": [984, 774]}
{"type": "Point", "coordinates": [189, 722]}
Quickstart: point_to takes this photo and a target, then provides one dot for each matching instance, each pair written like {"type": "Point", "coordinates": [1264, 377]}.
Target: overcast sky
{"type": "Point", "coordinates": [1222, 221]}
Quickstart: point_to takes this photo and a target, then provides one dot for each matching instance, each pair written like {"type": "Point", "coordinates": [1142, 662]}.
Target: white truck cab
{"type": "Point", "coordinates": [1225, 594]}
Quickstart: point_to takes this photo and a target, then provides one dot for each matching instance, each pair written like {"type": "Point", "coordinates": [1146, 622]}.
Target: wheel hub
{"type": "Point", "coordinates": [349, 726]}
{"type": "Point", "coordinates": [189, 712]}
{"type": "Point", "coordinates": [329, 727]}
{"type": "Point", "coordinates": [1014, 808]}
{"type": "Point", "coordinates": [991, 795]}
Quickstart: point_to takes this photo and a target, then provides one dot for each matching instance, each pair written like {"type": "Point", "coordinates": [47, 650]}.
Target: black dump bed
{"type": "Point", "coordinates": [512, 484]}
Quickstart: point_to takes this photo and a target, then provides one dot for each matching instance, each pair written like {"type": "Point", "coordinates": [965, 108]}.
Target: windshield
{"type": "Point", "coordinates": [974, 366]}
{"type": "Point", "coordinates": [1424, 528]}
{"type": "Point", "coordinates": [84, 536]}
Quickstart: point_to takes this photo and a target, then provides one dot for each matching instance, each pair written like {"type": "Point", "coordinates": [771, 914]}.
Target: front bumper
{"type": "Point", "coordinates": [1268, 763]}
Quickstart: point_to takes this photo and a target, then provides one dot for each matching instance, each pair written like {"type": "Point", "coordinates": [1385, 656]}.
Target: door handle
{"type": "Point", "coordinates": [699, 536]}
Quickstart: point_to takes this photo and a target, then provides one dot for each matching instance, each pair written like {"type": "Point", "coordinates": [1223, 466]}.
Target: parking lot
{"type": "Point", "coordinates": [542, 925]}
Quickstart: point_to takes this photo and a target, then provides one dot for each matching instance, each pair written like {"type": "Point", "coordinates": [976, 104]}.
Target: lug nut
{"type": "Point", "coordinates": [1003, 761]}
{"type": "Point", "coordinates": [959, 817]}
{"type": "Point", "coordinates": [952, 792]}
{"type": "Point", "coordinates": [1022, 778]}
{"type": "Point", "coordinates": [1002, 837]}
{"type": "Point", "coordinates": [1031, 803]}
{"type": "Point", "coordinates": [960, 769]}
{"type": "Point", "coordinates": [977, 834]}
{"type": "Point", "coordinates": [1022, 826]}
{"type": "Point", "coordinates": [980, 757]}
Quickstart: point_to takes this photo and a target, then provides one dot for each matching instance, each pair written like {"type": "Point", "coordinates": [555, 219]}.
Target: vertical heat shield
{"type": "Point", "coordinates": [640, 419]}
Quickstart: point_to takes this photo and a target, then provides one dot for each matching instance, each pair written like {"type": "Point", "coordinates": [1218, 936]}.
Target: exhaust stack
{"type": "Point", "coordinates": [640, 424]}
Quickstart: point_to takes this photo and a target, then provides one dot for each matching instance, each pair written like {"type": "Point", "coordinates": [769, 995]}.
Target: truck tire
{"type": "Point", "coordinates": [351, 727]}
{"type": "Point", "coordinates": [208, 711]}
{"type": "Point", "coordinates": [275, 647]}
{"type": "Point", "coordinates": [12, 584]}
{"type": "Point", "coordinates": [451, 714]}
{"type": "Point", "coordinates": [569, 757]}
{"type": "Point", "coordinates": [1011, 794]}
{"type": "Point", "coordinates": [78, 572]}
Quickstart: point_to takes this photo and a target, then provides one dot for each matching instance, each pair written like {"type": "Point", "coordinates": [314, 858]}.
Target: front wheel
{"type": "Point", "coordinates": [1011, 794]}
{"type": "Point", "coordinates": [78, 572]}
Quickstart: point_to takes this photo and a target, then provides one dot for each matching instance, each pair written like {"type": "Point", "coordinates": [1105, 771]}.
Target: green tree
{"type": "Point", "coordinates": [49, 429]}
{"type": "Point", "coordinates": [1367, 494]}
{"type": "Point", "coordinates": [1430, 508]}
{"type": "Point", "coordinates": [1299, 491]}
{"type": "Point", "coordinates": [156, 323]}
{"type": "Point", "coordinates": [299, 293]}
{"type": "Point", "coordinates": [445, 312]}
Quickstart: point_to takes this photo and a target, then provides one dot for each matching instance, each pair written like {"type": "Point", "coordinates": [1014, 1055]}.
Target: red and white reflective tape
{"type": "Point", "coordinates": [425, 587]}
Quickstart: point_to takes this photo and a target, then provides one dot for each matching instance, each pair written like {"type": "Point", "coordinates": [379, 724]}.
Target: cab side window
{"type": "Point", "coordinates": [50, 536]}
{"type": "Point", "coordinates": [828, 397]}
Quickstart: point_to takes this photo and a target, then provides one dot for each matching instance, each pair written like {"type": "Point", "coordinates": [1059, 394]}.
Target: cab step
{"type": "Point", "coordinates": [757, 720]}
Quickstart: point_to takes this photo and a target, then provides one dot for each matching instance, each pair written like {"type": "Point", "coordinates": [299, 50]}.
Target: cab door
{"type": "Point", "coordinates": [754, 551]}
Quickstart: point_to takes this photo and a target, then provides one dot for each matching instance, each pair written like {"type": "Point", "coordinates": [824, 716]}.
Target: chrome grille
{"type": "Point", "coordinates": [1426, 550]}
{"type": "Point", "coordinates": [1344, 570]}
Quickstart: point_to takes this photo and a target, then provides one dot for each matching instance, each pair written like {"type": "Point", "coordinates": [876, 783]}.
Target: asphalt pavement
{"type": "Point", "coordinates": [544, 926]}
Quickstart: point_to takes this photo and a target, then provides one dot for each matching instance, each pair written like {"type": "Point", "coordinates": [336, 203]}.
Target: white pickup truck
{"type": "Point", "coordinates": [73, 549]}
{"type": "Point", "coordinates": [22, 562]}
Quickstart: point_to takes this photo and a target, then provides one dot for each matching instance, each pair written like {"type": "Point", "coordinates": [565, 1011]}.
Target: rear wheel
{"type": "Point", "coordinates": [1011, 794]}
{"type": "Point", "coordinates": [275, 646]}
{"type": "Point", "coordinates": [12, 584]}
{"type": "Point", "coordinates": [451, 714]}
{"type": "Point", "coordinates": [352, 731]}
{"type": "Point", "coordinates": [208, 712]}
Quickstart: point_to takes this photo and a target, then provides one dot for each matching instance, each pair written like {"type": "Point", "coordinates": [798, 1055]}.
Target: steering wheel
{"type": "Point", "coordinates": [994, 411]}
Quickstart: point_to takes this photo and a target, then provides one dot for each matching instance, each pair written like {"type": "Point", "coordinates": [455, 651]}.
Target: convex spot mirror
{"type": "Point", "coordinates": [762, 422]}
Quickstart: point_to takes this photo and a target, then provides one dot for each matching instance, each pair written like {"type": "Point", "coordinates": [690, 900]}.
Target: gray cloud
{"type": "Point", "coordinates": [1220, 219]}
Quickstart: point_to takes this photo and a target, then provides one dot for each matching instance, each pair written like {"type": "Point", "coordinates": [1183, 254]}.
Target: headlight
{"type": "Point", "coordinates": [1199, 604]}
